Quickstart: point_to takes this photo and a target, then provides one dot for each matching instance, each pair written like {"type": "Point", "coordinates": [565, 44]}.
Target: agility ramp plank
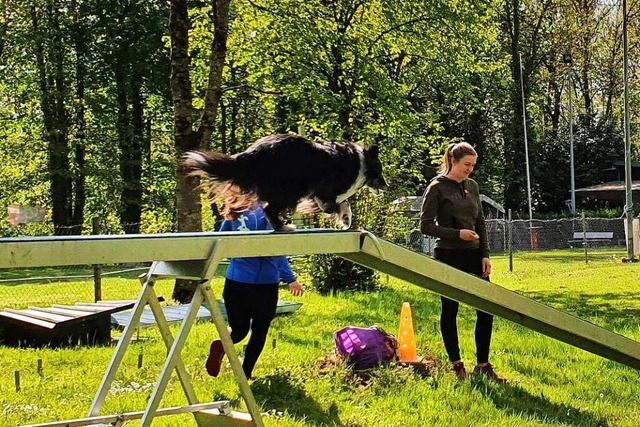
{"type": "Point", "coordinates": [52, 251]}
{"type": "Point", "coordinates": [438, 277]}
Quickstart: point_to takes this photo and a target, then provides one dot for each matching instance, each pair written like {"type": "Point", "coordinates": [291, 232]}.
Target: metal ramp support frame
{"type": "Point", "coordinates": [202, 271]}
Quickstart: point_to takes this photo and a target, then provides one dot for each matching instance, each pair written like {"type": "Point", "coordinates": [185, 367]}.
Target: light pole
{"type": "Point", "coordinates": [627, 140]}
{"type": "Point", "coordinates": [526, 152]}
{"type": "Point", "coordinates": [568, 60]}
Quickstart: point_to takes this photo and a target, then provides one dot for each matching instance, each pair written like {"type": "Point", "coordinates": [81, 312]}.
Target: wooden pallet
{"type": "Point", "coordinates": [60, 325]}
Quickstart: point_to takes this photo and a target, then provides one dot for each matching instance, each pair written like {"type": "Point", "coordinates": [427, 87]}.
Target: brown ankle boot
{"type": "Point", "coordinates": [460, 371]}
{"type": "Point", "coordinates": [489, 372]}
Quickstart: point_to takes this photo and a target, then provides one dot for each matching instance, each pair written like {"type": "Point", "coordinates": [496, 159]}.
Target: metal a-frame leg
{"type": "Point", "coordinates": [232, 355]}
{"type": "Point", "coordinates": [147, 296]}
{"type": "Point", "coordinates": [202, 270]}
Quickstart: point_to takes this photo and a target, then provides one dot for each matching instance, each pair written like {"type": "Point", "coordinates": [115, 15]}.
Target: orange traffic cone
{"type": "Point", "coordinates": [406, 338]}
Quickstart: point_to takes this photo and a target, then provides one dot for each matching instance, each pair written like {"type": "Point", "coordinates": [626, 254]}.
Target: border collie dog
{"type": "Point", "coordinates": [288, 172]}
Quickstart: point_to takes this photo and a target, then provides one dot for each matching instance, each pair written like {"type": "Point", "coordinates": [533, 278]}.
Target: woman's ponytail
{"type": "Point", "coordinates": [447, 160]}
{"type": "Point", "coordinates": [455, 151]}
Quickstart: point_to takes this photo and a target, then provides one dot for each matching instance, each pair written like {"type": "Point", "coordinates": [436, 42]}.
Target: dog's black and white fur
{"type": "Point", "coordinates": [288, 172]}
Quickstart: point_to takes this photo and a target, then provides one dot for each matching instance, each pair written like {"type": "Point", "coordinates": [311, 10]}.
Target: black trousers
{"type": "Point", "coordinates": [250, 307]}
{"type": "Point", "coordinates": [469, 261]}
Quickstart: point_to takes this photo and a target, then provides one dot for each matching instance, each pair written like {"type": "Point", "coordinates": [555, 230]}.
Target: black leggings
{"type": "Point", "coordinates": [250, 307]}
{"type": "Point", "coordinates": [469, 261]}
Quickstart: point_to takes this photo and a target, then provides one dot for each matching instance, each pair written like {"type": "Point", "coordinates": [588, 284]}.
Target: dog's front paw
{"type": "Point", "coordinates": [345, 215]}
{"type": "Point", "coordinates": [288, 227]}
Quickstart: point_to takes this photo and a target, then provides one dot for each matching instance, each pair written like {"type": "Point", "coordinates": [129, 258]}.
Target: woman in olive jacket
{"type": "Point", "coordinates": [452, 212]}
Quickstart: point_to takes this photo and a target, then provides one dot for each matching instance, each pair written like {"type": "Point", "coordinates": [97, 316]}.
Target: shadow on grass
{"type": "Point", "coordinates": [282, 392]}
{"type": "Point", "coordinates": [519, 403]}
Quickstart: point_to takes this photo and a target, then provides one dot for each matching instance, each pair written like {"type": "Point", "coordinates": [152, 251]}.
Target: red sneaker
{"type": "Point", "coordinates": [489, 372]}
{"type": "Point", "coordinates": [214, 361]}
{"type": "Point", "coordinates": [460, 371]}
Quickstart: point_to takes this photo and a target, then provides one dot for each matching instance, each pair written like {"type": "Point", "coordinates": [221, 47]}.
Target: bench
{"type": "Point", "coordinates": [177, 313]}
{"type": "Point", "coordinates": [592, 237]}
{"type": "Point", "coordinates": [60, 325]}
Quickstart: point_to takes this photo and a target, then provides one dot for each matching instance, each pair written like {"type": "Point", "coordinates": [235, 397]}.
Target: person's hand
{"type": "Point", "coordinates": [296, 288]}
{"type": "Point", "coordinates": [468, 235]}
{"type": "Point", "coordinates": [486, 267]}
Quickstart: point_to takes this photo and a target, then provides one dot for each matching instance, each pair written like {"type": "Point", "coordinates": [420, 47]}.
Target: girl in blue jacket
{"type": "Point", "coordinates": [251, 294]}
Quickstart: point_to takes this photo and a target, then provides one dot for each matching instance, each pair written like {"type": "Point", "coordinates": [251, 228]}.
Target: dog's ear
{"type": "Point", "coordinates": [374, 150]}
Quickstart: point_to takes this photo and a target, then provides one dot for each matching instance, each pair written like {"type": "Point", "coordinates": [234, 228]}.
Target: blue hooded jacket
{"type": "Point", "coordinates": [256, 270]}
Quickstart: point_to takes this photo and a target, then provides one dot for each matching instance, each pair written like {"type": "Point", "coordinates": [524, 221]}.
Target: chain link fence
{"type": "Point", "coordinates": [535, 235]}
{"type": "Point", "coordinates": [543, 235]}
{"type": "Point", "coordinates": [23, 287]}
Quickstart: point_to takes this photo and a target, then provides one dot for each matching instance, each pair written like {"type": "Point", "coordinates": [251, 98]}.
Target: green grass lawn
{"type": "Point", "coordinates": [551, 383]}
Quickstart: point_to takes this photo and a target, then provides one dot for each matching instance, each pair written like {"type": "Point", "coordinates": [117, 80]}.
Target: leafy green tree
{"type": "Point", "coordinates": [186, 135]}
{"type": "Point", "coordinates": [132, 54]}
{"type": "Point", "coordinates": [50, 30]}
{"type": "Point", "coordinates": [525, 25]}
{"type": "Point", "coordinates": [395, 74]}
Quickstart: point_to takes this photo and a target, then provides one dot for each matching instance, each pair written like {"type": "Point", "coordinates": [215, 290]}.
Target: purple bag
{"type": "Point", "coordinates": [365, 348]}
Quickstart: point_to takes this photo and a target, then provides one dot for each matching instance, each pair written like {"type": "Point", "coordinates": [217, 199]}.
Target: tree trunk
{"type": "Point", "coordinates": [587, 12]}
{"type": "Point", "coordinates": [477, 125]}
{"type": "Point", "coordinates": [79, 198]}
{"type": "Point", "coordinates": [4, 26]}
{"type": "Point", "coordinates": [223, 128]}
{"type": "Point", "coordinates": [216, 65]}
{"type": "Point", "coordinates": [188, 209]}
{"type": "Point", "coordinates": [133, 186]}
{"type": "Point", "coordinates": [52, 95]}
{"type": "Point", "coordinates": [515, 193]}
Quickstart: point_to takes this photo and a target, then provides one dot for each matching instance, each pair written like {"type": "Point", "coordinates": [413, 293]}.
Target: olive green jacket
{"type": "Point", "coordinates": [450, 206]}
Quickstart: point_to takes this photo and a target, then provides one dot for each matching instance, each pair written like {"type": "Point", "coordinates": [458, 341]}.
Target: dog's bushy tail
{"type": "Point", "coordinates": [210, 165]}
{"type": "Point", "coordinates": [222, 180]}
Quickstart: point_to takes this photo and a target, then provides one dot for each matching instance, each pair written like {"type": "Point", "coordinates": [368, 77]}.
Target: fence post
{"type": "Point", "coordinates": [510, 241]}
{"type": "Point", "coordinates": [97, 268]}
{"type": "Point", "coordinates": [584, 238]}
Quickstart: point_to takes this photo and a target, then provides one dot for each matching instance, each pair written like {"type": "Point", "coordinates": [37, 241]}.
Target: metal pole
{"type": "Point", "coordinates": [584, 238]}
{"type": "Point", "coordinates": [526, 151]}
{"type": "Point", "coordinates": [97, 268]}
{"type": "Point", "coordinates": [627, 139]}
{"type": "Point", "coordinates": [510, 226]}
{"type": "Point", "coordinates": [573, 175]}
